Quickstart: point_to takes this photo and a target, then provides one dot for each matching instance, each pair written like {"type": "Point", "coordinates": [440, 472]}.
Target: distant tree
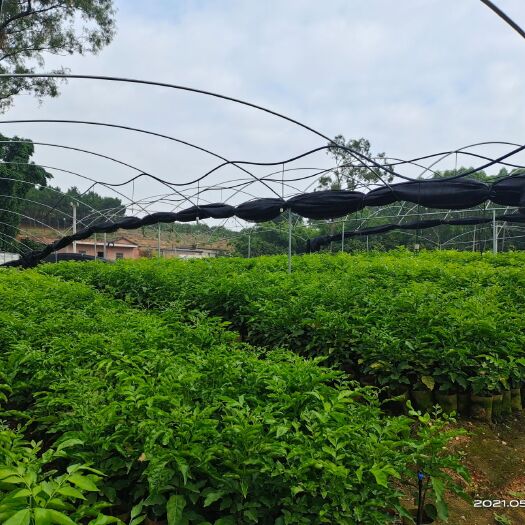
{"type": "Point", "coordinates": [18, 174]}
{"type": "Point", "coordinates": [26, 244]}
{"type": "Point", "coordinates": [51, 206]}
{"type": "Point", "coordinates": [353, 170]}
{"type": "Point", "coordinates": [30, 29]}
{"type": "Point", "coordinates": [271, 238]}
{"type": "Point", "coordinates": [462, 170]}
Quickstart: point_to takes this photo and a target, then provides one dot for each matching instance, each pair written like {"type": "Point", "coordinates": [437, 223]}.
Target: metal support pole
{"type": "Point", "coordinates": [249, 245]}
{"type": "Point", "coordinates": [289, 241]}
{"type": "Point", "coordinates": [343, 238]}
{"type": "Point", "coordinates": [105, 245]}
{"type": "Point", "coordinates": [74, 206]}
{"type": "Point", "coordinates": [474, 240]}
{"type": "Point", "coordinates": [158, 241]}
{"type": "Point", "coordinates": [367, 244]}
{"type": "Point", "coordinates": [96, 253]}
{"type": "Point", "coordinates": [494, 233]}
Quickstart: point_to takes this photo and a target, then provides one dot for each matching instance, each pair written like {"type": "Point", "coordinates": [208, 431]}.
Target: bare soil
{"type": "Point", "coordinates": [495, 457]}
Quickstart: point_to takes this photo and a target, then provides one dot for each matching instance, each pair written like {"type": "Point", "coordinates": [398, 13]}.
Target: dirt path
{"type": "Point", "coordinates": [495, 456]}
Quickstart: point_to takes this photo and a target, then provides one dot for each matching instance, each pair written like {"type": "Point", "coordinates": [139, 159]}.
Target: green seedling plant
{"type": "Point", "coordinates": [391, 317]}
{"type": "Point", "coordinates": [188, 424]}
{"type": "Point", "coordinates": [31, 494]}
{"type": "Point", "coordinates": [493, 376]}
{"type": "Point", "coordinates": [435, 462]}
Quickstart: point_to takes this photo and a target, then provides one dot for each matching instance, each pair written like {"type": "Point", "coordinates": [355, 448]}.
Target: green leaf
{"type": "Point", "coordinates": [184, 469]}
{"type": "Point", "coordinates": [22, 517]}
{"type": "Point", "coordinates": [442, 510]}
{"type": "Point", "coordinates": [359, 473]}
{"type": "Point", "coordinates": [20, 493]}
{"type": "Point", "coordinates": [439, 491]}
{"type": "Point", "coordinates": [70, 492]}
{"type": "Point", "coordinates": [439, 488]}
{"type": "Point", "coordinates": [58, 504]}
{"type": "Point", "coordinates": [102, 519]}
{"type": "Point", "coordinates": [281, 430]}
{"type": "Point", "coordinates": [42, 517]}
{"type": "Point", "coordinates": [225, 521]}
{"type": "Point", "coordinates": [59, 518]}
{"type": "Point", "coordinates": [69, 443]}
{"type": "Point", "coordinates": [428, 381]}
{"type": "Point", "coordinates": [244, 488]}
{"type": "Point", "coordinates": [380, 475]}
{"type": "Point", "coordinates": [136, 510]}
{"type": "Point", "coordinates": [83, 482]}
{"type": "Point", "coordinates": [8, 475]}
{"type": "Point", "coordinates": [212, 497]}
{"type": "Point", "coordinates": [175, 508]}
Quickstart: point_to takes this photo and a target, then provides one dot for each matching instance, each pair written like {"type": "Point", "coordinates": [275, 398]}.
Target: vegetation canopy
{"type": "Point", "coordinates": [32, 29]}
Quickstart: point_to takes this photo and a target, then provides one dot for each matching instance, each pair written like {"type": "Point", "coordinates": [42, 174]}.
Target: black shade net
{"type": "Point", "coordinates": [449, 194]}
{"type": "Point", "coordinates": [315, 244]}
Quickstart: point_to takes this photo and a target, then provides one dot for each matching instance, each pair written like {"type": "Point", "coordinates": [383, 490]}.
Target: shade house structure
{"type": "Point", "coordinates": [263, 191]}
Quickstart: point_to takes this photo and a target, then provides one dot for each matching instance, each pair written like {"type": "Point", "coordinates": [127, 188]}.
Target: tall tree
{"type": "Point", "coordinates": [352, 169]}
{"type": "Point", "coordinates": [50, 206]}
{"type": "Point", "coordinates": [17, 176]}
{"type": "Point", "coordinates": [30, 29]}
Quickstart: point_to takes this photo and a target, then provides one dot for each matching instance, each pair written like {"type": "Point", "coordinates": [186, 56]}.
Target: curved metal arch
{"type": "Point", "coordinates": [446, 154]}
{"type": "Point", "coordinates": [30, 218]}
{"type": "Point", "coordinates": [94, 211]}
{"type": "Point", "coordinates": [62, 194]}
{"type": "Point", "coordinates": [504, 17]}
{"type": "Point", "coordinates": [11, 241]}
{"type": "Point", "coordinates": [34, 202]}
{"type": "Point", "coordinates": [353, 153]}
{"type": "Point", "coordinates": [14, 238]}
{"type": "Point", "coordinates": [472, 171]}
{"type": "Point", "coordinates": [138, 130]}
{"type": "Point", "coordinates": [61, 146]}
{"type": "Point", "coordinates": [48, 188]}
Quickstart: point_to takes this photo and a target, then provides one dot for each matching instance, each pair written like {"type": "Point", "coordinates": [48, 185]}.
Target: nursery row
{"type": "Point", "coordinates": [108, 413]}
{"type": "Point", "coordinates": [440, 323]}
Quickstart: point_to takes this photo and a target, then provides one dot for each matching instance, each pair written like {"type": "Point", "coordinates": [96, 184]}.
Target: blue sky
{"type": "Point", "coordinates": [412, 76]}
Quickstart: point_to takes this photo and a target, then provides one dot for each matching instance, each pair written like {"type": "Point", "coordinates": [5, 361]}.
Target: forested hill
{"type": "Point", "coordinates": [51, 206]}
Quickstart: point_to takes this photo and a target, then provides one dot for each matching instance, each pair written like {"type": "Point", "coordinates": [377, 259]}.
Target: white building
{"type": "Point", "coordinates": [8, 257]}
{"type": "Point", "coordinates": [189, 253]}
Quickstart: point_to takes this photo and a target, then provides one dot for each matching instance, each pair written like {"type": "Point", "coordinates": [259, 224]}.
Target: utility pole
{"type": "Point", "coordinates": [494, 233]}
{"type": "Point", "coordinates": [74, 206]}
{"type": "Point", "coordinates": [289, 241]}
{"type": "Point", "coordinates": [249, 245]}
{"type": "Point", "coordinates": [105, 245]}
{"type": "Point", "coordinates": [158, 241]}
{"type": "Point", "coordinates": [343, 238]}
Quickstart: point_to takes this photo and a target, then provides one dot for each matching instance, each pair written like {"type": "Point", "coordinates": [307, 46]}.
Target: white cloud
{"type": "Point", "coordinates": [413, 76]}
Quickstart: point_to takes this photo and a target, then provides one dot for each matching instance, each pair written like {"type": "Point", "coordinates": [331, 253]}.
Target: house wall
{"type": "Point", "coordinates": [128, 252]}
{"type": "Point", "coordinates": [133, 252]}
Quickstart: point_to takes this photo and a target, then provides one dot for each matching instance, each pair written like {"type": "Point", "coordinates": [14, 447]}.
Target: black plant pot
{"type": "Point", "coordinates": [481, 408]}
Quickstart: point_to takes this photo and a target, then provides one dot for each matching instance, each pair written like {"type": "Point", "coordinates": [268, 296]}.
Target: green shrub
{"type": "Point", "coordinates": [187, 422]}
{"type": "Point", "coordinates": [396, 317]}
